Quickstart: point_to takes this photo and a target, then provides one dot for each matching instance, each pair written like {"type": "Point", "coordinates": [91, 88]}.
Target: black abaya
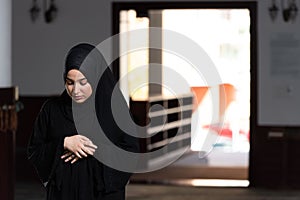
{"type": "Point", "coordinates": [87, 178]}
{"type": "Point", "coordinates": [79, 181]}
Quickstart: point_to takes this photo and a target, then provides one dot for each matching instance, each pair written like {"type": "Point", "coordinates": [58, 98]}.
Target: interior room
{"type": "Point", "coordinates": [211, 85]}
{"type": "Point", "coordinates": [214, 153]}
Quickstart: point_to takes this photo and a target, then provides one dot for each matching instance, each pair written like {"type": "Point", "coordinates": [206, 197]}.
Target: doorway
{"type": "Point", "coordinates": [226, 32]}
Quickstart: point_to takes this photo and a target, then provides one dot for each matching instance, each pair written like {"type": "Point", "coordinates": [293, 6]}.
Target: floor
{"type": "Point", "coordinates": [33, 191]}
{"type": "Point", "coordinates": [181, 181]}
{"type": "Point", "coordinates": [218, 164]}
{"type": "Point", "coordinates": [162, 192]}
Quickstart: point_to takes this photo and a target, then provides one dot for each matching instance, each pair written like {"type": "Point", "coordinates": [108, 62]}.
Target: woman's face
{"type": "Point", "coordinates": [78, 86]}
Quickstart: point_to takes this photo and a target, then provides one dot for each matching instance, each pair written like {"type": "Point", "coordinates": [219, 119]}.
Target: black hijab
{"type": "Point", "coordinates": [88, 60]}
{"type": "Point", "coordinates": [98, 109]}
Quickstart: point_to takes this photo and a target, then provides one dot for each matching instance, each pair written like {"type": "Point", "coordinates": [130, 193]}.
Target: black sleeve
{"type": "Point", "coordinates": [41, 151]}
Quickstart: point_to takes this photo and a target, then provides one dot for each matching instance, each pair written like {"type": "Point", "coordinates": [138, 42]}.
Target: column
{"type": "Point", "coordinates": [155, 55]}
{"type": "Point", "coordinates": [5, 41]}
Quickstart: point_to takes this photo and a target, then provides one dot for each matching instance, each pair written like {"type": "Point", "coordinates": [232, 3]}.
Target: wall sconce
{"type": "Point", "coordinates": [34, 11]}
{"type": "Point", "coordinates": [273, 10]}
{"type": "Point", "coordinates": [289, 12]}
{"type": "Point", "coordinates": [50, 11]}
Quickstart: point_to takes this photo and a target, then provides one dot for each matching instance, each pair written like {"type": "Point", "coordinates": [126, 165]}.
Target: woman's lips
{"type": "Point", "coordinates": [78, 97]}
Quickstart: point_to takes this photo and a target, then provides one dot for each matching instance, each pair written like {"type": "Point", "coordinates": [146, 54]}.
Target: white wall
{"type": "Point", "coordinates": [39, 50]}
{"type": "Point", "coordinates": [279, 92]}
{"type": "Point", "coordinates": [5, 42]}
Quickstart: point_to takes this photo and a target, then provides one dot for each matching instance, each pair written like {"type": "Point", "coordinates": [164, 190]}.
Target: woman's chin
{"type": "Point", "coordinates": [82, 100]}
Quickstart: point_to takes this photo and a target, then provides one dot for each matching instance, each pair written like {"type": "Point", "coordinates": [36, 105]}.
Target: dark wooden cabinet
{"type": "Point", "coordinates": [274, 161]}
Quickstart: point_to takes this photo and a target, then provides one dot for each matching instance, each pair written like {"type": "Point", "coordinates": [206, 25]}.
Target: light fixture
{"type": "Point", "coordinates": [50, 12]}
{"type": "Point", "coordinates": [289, 13]}
{"type": "Point", "coordinates": [293, 10]}
{"type": "Point", "coordinates": [289, 10]}
{"type": "Point", "coordinates": [34, 11]}
{"type": "Point", "coordinates": [273, 10]}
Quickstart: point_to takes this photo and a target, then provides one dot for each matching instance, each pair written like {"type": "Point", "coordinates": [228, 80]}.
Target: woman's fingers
{"type": "Point", "coordinates": [78, 146]}
{"type": "Point", "coordinates": [89, 151]}
{"type": "Point", "coordinates": [90, 145]}
{"type": "Point", "coordinates": [65, 155]}
{"type": "Point", "coordinates": [69, 156]}
{"type": "Point", "coordinates": [84, 138]}
{"type": "Point", "coordinates": [88, 142]}
{"type": "Point", "coordinates": [72, 156]}
{"type": "Point", "coordinates": [82, 153]}
{"type": "Point", "coordinates": [78, 154]}
{"type": "Point", "coordinates": [74, 160]}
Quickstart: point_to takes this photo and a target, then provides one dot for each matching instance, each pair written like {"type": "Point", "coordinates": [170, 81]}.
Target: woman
{"type": "Point", "coordinates": [59, 148]}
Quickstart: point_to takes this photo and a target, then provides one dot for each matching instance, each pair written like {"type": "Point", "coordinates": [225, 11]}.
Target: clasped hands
{"type": "Point", "coordinates": [77, 146]}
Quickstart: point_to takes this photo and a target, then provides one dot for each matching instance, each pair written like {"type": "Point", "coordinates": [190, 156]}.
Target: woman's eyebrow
{"type": "Point", "coordinates": [69, 79]}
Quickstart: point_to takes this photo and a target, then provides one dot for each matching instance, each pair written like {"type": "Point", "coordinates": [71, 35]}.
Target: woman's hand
{"type": "Point", "coordinates": [79, 145]}
{"type": "Point", "coordinates": [69, 156]}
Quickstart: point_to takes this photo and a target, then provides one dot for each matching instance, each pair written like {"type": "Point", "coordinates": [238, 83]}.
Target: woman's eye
{"type": "Point", "coordinates": [83, 82]}
{"type": "Point", "coordinates": [69, 82]}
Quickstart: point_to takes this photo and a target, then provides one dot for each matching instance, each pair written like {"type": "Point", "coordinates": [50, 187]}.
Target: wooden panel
{"type": "Point", "coordinates": [8, 125]}
{"type": "Point", "coordinates": [266, 164]}
{"type": "Point", "coordinates": [7, 165]}
{"type": "Point", "coordinates": [275, 152]}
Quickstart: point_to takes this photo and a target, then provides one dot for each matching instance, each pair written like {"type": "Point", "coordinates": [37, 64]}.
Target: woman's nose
{"type": "Point", "coordinates": [75, 88]}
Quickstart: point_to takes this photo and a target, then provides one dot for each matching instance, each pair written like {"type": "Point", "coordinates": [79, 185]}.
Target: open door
{"type": "Point", "coordinates": [225, 32]}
